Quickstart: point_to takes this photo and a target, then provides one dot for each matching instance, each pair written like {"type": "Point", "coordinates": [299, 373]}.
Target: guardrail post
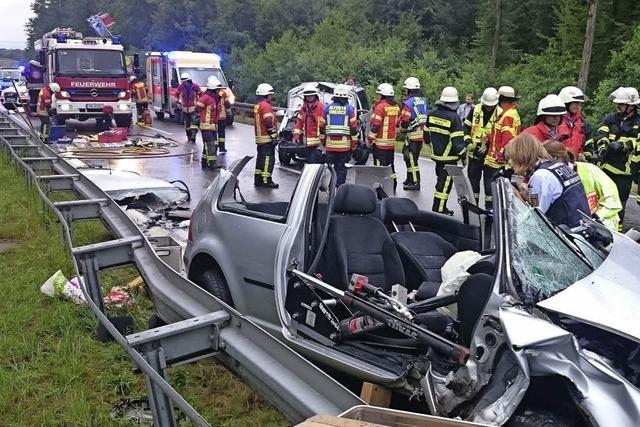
{"type": "Point", "coordinates": [89, 270]}
{"type": "Point", "coordinates": [161, 406]}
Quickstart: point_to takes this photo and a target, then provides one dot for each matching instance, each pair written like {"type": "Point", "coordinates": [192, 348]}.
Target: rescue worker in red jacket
{"type": "Point", "coordinates": [573, 122]}
{"type": "Point", "coordinates": [310, 124]}
{"type": "Point", "coordinates": [341, 130]}
{"type": "Point", "coordinates": [413, 117]}
{"type": "Point", "coordinates": [207, 107]}
{"type": "Point", "coordinates": [266, 131]}
{"type": "Point", "coordinates": [46, 108]}
{"type": "Point", "coordinates": [384, 127]}
{"type": "Point", "coordinates": [445, 134]}
{"type": "Point", "coordinates": [139, 94]}
{"type": "Point", "coordinates": [507, 127]}
{"type": "Point", "coordinates": [551, 109]}
{"type": "Point", "coordinates": [187, 95]}
{"type": "Point", "coordinates": [225, 103]}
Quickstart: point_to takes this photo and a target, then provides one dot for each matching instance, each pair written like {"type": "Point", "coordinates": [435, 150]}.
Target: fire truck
{"type": "Point", "coordinates": [91, 72]}
{"type": "Point", "coordinates": [163, 77]}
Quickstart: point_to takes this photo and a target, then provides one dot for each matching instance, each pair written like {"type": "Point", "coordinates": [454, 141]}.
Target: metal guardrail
{"type": "Point", "coordinates": [245, 110]}
{"type": "Point", "coordinates": [199, 325]}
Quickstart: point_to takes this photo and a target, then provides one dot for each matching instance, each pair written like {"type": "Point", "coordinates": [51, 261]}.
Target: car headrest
{"type": "Point", "coordinates": [355, 199]}
{"type": "Point", "coordinates": [398, 210]}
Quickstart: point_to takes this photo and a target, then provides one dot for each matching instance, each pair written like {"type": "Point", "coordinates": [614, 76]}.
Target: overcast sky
{"type": "Point", "coordinates": [15, 13]}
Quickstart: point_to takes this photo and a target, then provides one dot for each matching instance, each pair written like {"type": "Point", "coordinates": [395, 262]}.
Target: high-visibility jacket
{"type": "Point", "coordinates": [507, 127]}
{"type": "Point", "coordinates": [384, 124]}
{"type": "Point", "coordinates": [624, 131]}
{"type": "Point", "coordinates": [478, 127]}
{"type": "Point", "coordinates": [207, 106]}
{"type": "Point", "coordinates": [223, 101]}
{"type": "Point", "coordinates": [578, 130]}
{"type": "Point", "coordinates": [264, 122]}
{"type": "Point", "coordinates": [187, 95]}
{"type": "Point", "coordinates": [602, 194]}
{"type": "Point", "coordinates": [139, 92]}
{"type": "Point", "coordinates": [310, 120]}
{"type": "Point", "coordinates": [542, 132]}
{"type": "Point", "coordinates": [444, 132]}
{"type": "Point", "coordinates": [414, 116]}
{"type": "Point", "coordinates": [45, 98]}
{"type": "Point", "coordinates": [342, 127]}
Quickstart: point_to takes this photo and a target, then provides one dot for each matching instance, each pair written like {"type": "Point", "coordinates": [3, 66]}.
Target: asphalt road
{"type": "Point", "coordinates": [240, 142]}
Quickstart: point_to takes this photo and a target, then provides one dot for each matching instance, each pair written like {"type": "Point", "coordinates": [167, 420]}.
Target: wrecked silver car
{"type": "Point", "coordinates": [541, 329]}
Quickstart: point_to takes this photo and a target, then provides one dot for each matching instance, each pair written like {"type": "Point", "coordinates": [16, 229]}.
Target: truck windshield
{"type": "Point", "coordinates": [199, 75]}
{"type": "Point", "coordinates": [86, 62]}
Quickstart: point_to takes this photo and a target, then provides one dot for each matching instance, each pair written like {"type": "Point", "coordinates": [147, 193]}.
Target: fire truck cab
{"type": "Point", "coordinates": [91, 72]}
{"type": "Point", "coordinates": [163, 77]}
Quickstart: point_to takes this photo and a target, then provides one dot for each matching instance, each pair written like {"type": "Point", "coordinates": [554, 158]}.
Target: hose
{"type": "Point", "coordinates": [186, 187]}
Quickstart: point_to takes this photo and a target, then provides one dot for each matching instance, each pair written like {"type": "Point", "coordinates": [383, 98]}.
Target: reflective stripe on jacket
{"type": "Point", "coordinates": [342, 127]}
{"type": "Point", "coordinates": [223, 104]}
{"type": "Point", "coordinates": [45, 98]}
{"type": "Point", "coordinates": [139, 92]}
{"type": "Point", "coordinates": [207, 106]}
{"type": "Point", "coordinates": [414, 116]}
{"type": "Point", "coordinates": [310, 120]}
{"type": "Point", "coordinates": [264, 122]}
{"type": "Point", "coordinates": [444, 132]}
{"type": "Point", "coordinates": [477, 126]}
{"type": "Point", "coordinates": [384, 124]}
{"type": "Point", "coordinates": [507, 127]}
{"type": "Point", "coordinates": [187, 96]}
{"type": "Point", "coordinates": [623, 130]}
{"type": "Point", "coordinates": [602, 194]}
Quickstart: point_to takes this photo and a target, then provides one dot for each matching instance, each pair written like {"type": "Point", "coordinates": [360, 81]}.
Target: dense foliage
{"type": "Point", "coordinates": [442, 42]}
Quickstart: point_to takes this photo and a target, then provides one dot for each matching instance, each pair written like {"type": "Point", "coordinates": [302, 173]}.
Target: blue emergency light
{"type": "Point", "coordinates": [61, 38]}
{"type": "Point", "coordinates": [115, 39]}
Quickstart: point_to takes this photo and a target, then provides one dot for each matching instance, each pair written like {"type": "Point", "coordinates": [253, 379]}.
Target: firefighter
{"type": "Point", "coordinates": [551, 109]}
{"type": "Point", "coordinates": [507, 127]}
{"type": "Point", "coordinates": [187, 95]}
{"type": "Point", "coordinates": [341, 131]}
{"type": "Point", "coordinates": [616, 143]}
{"type": "Point", "coordinates": [310, 120]}
{"type": "Point", "coordinates": [207, 107]}
{"type": "Point", "coordinates": [223, 97]}
{"type": "Point", "coordinates": [478, 127]}
{"type": "Point", "coordinates": [412, 119]}
{"type": "Point", "coordinates": [139, 94]}
{"type": "Point", "coordinates": [45, 108]}
{"type": "Point", "coordinates": [444, 132]}
{"type": "Point", "coordinates": [384, 122]}
{"type": "Point", "coordinates": [573, 123]}
{"type": "Point", "coordinates": [266, 131]}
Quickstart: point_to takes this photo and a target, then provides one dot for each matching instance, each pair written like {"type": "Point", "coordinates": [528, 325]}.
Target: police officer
{"type": "Point", "coordinates": [310, 122]}
{"type": "Point", "coordinates": [266, 131]}
{"type": "Point", "coordinates": [616, 142]}
{"type": "Point", "coordinates": [553, 186]}
{"type": "Point", "coordinates": [444, 132]}
{"type": "Point", "coordinates": [384, 123]}
{"type": "Point", "coordinates": [187, 95]}
{"type": "Point", "coordinates": [207, 107]}
{"type": "Point", "coordinates": [341, 131]}
{"type": "Point", "coordinates": [478, 126]}
{"type": "Point", "coordinates": [412, 119]}
{"type": "Point", "coordinates": [46, 109]}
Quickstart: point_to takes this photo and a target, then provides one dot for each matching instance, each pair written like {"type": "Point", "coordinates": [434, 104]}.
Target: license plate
{"type": "Point", "coordinates": [94, 105]}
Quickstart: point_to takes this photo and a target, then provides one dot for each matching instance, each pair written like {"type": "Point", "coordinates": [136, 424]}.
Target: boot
{"type": "Point", "coordinates": [257, 181]}
{"type": "Point", "coordinates": [447, 212]}
{"type": "Point", "coordinates": [270, 184]}
{"type": "Point", "coordinates": [221, 147]}
{"type": "Point", "coordinates": [411, 186]}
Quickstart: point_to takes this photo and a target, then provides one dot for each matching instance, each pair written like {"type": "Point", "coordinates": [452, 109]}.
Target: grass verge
{"type": "Point", "coordinates": [52, 369]}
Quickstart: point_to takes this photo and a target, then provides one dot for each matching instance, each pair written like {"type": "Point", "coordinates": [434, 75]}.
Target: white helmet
{"type": "Point", "coordinates": [507, 91]}
{"type": "Point", "coordinates": [633, 96]}
{"type": "Point", "coordinates": [411, 83]}
{"type": "Point", "coordinates": [264, 89]}
{"type": "Point", "coordinates": [616, 94]}
{"type": "Point", "coordinates": [341, 91]}
{"type": "Point", "coordinates": [385, 89]}
{"type": "Point", "coordinates": [449, 94]}
{"type": "Point", "coordinates": [625, 95]}
{"type": "Point", "coordinates": [185, 76]}
{"type": "Point", "coordinates": [489, 97]}
{"type": "Point", "coordinates": [132, 78]}
{"type": "Point", "coordinates": [213, 83]}
{"type": "Point", "coordinates": [551, 105]}
{"type": "Point", "coordinates": [55, 87]}
{"type": "Point", "coordinates": [309, 90]}
{"type": "Point", "coordinates": [571, 94]}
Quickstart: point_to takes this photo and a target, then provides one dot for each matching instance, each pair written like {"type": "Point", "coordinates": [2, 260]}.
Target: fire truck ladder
{"type": "Point", "coordinates": [199, 325]}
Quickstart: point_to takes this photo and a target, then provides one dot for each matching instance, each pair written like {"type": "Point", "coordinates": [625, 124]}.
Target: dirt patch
{"type": "Point", "coordinates": [6, 245]}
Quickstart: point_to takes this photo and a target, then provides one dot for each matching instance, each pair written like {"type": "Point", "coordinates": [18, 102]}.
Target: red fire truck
{"type": "Point", "coordinates": [91, 72]}
{"type": "Point", "coordinates": [163, 77]}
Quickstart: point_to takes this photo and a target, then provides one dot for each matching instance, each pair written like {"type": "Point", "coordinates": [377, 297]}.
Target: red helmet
{"type": "Point", "coordinates": [107, 109]}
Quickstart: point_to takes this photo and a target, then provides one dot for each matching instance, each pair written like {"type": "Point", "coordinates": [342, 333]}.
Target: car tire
{"type": "Point", "coordinates": [213, 282]}
{"type": "Point", "coordinates": [533, 417]}
{"type": "Point", "coordinates": [159, 115]}
{"type": "Point", "coordinates": [123, 121]}
{"type": "Point", "coordinates": [285, 159]}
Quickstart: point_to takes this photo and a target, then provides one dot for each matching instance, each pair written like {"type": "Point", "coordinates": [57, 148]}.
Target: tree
{"type": "Point", "coordinates": [588, 45]}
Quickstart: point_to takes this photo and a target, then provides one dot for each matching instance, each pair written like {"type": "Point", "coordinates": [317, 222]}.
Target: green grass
{"type": "Point", "coordinates": [52, 369]}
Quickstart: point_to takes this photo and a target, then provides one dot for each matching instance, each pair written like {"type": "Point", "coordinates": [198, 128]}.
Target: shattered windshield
{"type": "Point", "coordinates": [543, 262]}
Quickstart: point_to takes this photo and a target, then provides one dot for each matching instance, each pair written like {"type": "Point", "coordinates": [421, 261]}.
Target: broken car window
{"type": "Point", "coordinates": [544, 264]}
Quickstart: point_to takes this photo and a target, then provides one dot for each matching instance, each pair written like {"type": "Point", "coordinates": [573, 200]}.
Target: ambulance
{"type": "Point", "coordinates": [163, 77]}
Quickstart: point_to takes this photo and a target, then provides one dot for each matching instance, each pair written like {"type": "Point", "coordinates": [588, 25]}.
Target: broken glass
{"type": "Point", "coordinates": [543, 262]}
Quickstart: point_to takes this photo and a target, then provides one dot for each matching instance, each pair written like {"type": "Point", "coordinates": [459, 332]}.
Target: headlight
{"type": "Point", "coordinates": [65, 107]}
{"type": "Point", "coordinates": [123, 107]}
{"type": "Point", "coordinates": [122, 94]}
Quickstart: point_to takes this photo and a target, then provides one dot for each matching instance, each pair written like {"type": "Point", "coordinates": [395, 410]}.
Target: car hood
{"type": "Point", "coordinates": [608, 298]}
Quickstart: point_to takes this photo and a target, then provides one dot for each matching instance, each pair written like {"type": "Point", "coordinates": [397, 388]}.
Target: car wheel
{"type": "Point", "coordinates": [532, 417]}
{"type": "Point", "coordinates": [213, 282]}
{"type": "Point", "coordinates": [285, 159]}
{"type": "Point", "coordinates": [123, 121]}
{"type": "Point", "coordinates": [159, 115]}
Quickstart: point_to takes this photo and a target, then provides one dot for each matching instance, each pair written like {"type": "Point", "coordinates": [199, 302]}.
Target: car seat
{"type": "Point", "coordinates": [359, 243]}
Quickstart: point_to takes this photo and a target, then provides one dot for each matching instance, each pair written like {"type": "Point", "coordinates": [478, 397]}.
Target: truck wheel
{"type": "Point", "coordinates": [285, 159]}
{"type": "Point", "coordinates": [159, 115]}
{"type": "Point", "coordinates": [123, 121]}
{"type": "Point", "coordinates": [533, 417]}
{"type": "Point", "coordinates": [213, 282]}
